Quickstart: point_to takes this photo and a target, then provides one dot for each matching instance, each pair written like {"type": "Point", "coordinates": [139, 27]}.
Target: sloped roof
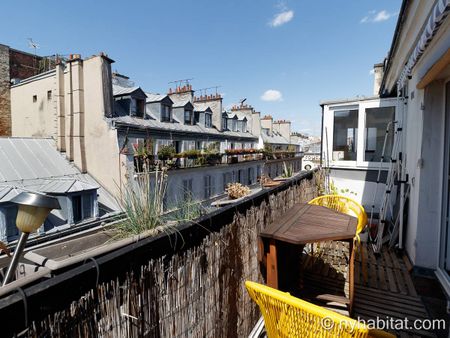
{"type": "Point", "coordinates": [119, 90]}
{"type": "Point", "coordinates": [34, 164]}
{"type": "Point", "coordinates": [181, 103]}
{"type": "Point", "coordinates": [274, 138]}
{"type": "Point", "coordinates": [66, 185]}
{"type": "Point", "coordinates": [201, 106]}
{"type": "Point", "coordinates": [31, 158]}
{"type": "Point", "coordinates": [155, 97]}
{"type": "Point", "coordinates": [178, 127]}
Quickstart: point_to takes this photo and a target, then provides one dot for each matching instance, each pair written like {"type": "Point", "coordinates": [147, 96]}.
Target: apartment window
{"type": "Point", "coordinates": [137, 107]}
{"type": "Point", "coordinates": [10, 213]}
{"type": "Point", "coordinates": [188, 117]}
{"type": "Point", "coordinates": [196, 117]}
{"type": "Point", "coordinates": [208, 120]}
{"type": "Point", "coordinates": [166, 112]}
{"type": "Point", "coordinates": [76, 208]}
{"type": "Point", "coordinates": [49, 95]}
{"type": "Point", "coordinates": [82, 207]}
{"type": "Point", "coordinates": [241, 174]}
{"type": "Point", "coordinates": [34, 98]}
{"type": "Point", "coordinates": [250, 176]}
{"type": "Point", "coordinates": [234, 125]}
{"type": "Point", "coordinates": [224, 123]}
{"type": "Point", "coordinates": [345, 135]}
{"type": "Point", "coordinates": [187, 190]}
{"type": "Point", "coordinates": [227, 178]}
{"type": "Point", "coordinates": [209, 188]}
{"type": "Point", "coordinates": [244, 126]}
{"type": "Point", "coordinates": [377, 120]}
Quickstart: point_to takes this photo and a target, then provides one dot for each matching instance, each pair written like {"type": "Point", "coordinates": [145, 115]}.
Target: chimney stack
{"type": "Point", "coordinates": [378, 72]}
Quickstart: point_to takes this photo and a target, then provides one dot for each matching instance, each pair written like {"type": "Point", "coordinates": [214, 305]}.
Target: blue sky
{"type": "Point", "coordinates": [283, 56]}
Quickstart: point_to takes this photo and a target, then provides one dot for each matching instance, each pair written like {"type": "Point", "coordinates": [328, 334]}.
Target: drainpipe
{"type": "Point", "coordinates": [403, 176]}
{"type": "Point", "coordinates": [60, 107]}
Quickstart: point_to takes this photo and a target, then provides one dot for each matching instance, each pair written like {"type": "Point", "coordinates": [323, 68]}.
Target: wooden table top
{"type": "Point", "coordinates": [305, 223]}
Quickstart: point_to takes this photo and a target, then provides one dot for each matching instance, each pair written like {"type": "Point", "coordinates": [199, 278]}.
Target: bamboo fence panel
{"type": "Point", "coordinates": [196, 293]}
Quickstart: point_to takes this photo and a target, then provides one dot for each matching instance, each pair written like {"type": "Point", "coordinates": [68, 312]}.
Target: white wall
{"type": "Point", "coordinates": [424, 148]}
{"type": "Point", "coordinates": [36, 119]}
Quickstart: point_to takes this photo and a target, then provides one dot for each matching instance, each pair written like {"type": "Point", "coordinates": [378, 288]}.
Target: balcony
{"type": "Point", "coordinates": [190, 281]}
{"type": "Point", "coordinates": [196, 158]}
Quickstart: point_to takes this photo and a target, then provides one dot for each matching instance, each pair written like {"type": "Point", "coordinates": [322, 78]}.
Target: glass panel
{"type": "Point", "coordinates": [87, 206]}
{"type": "Point", "coordinates": [188, 117]}
{"type": "Point", "coordinates": [76, 207]}
{"type": "Point", "coordinates": [345, 135]}
{"type": "Point", "coordinates": [377, 120]}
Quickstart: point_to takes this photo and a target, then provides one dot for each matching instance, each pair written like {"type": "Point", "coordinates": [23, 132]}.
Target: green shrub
{"type": "Point", "coordinates": [166, 152]}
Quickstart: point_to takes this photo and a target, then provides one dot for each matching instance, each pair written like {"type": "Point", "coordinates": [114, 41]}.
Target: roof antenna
{"type": "Point", "coordinates": [34, 46]}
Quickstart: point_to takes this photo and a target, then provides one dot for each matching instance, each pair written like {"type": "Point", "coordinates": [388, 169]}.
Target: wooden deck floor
{"type": "Point", "coordinates": [388, 292]}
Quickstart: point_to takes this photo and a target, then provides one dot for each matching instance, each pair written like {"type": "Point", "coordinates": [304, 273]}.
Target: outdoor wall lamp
{"type": "Point", "coordinates": [32, 211]}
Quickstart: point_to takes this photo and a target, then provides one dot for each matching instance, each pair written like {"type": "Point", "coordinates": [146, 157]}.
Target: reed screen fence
{"type": "Point", "coordinates": [196, 293]}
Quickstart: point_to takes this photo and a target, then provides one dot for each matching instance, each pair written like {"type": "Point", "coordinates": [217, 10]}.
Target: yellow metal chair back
{"type": "Point", "coordinates": [350, 207]}
{"type": "Point", "coordinates": [345, 205]}
{"type": "Point", "coordinates": [288, 316]}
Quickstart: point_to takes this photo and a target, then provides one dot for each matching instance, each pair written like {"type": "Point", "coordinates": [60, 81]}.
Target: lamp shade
{"type": "Point", "coordinates": [33, 210]}
{"type": "Point", "coordinates": [30, 218]}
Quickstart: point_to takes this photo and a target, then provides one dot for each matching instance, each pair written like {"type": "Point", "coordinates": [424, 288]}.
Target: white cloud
{"type": "Point", "coordinates": [272, 95]}
{"type": "Point", "coordinates": [374, 16]}
{"type": "Point", "coordinates": [372, 71]}
{"type": "Point", "coordinates": [282, 18]}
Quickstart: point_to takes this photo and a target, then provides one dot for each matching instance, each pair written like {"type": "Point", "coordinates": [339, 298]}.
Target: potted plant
{"type": "Point", "coordinates": [166, 152]}
{"type": "Point", "coordinates": [213, 158]}
{"type": "Point", "coordinates": [192, 154]}
{"type": "Point", "coordinates": [237, 190]}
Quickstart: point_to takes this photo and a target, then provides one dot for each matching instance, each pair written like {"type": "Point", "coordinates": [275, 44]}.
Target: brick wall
{"type": "Point", "coordinates": [14, 64]}
{"type": "Point", "coordinates": [23, 65]}
{"type": "Point", "coordinates": [5, 103]}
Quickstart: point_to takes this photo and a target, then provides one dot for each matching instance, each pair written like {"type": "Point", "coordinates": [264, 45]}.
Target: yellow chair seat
{"type": "Point", "coordinates": [288, 316]}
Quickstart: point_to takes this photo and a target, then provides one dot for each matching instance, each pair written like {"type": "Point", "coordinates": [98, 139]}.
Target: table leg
{"type": "Point", "coordinates": [351, 274]}
{"type": "Point", "coordinates": [272, 268]}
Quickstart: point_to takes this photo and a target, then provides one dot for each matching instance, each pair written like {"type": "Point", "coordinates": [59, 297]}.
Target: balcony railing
{"type": "Point", "coordinates": [195, 158]}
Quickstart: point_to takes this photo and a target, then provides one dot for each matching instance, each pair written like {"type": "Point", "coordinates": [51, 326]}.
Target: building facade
{"type": "Point", "coordinates": [116, 131]}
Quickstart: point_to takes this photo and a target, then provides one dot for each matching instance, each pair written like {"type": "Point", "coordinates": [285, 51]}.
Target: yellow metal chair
{"type": "Point", "coordinates": [345, 205]}
{"type": "Point", "coordinates": [288, 316]}
{"type": "Point", "coordinates": [350, 207]}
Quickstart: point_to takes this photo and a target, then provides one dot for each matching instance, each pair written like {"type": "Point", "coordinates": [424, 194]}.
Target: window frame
{"type": "Point", "coordinates": [208, 120]}
{"type": "Point", "coordinates": [165, 108]}
{"type": "Point", "coordinates": [363, 162]}
{"type": "Point", "coordinates": [328, 132]}
{"type": "Point", "coordinates": [188, 122]}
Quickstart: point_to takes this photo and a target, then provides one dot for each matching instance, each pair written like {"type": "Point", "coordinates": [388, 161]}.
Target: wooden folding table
{"type": "Point", "coordinates": [302, 224]}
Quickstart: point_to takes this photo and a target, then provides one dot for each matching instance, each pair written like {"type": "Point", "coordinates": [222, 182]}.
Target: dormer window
{"type": "Point", "coordinates": [187, 116]}
{"type": "Point", "coordinates": [166, 113]}
{"type": "Point", "coordinates": [224, 123]}
{"type": "Point", "coordinates": [208, 120]}
{"type": "Point", "coordinates": [234, 125]}
{"type": "Point", "coordinates": [196, 117]}
{"type": "Point", "coordinates": [137, 107]}
{"type": "Point", "coordinates": [244, 126]}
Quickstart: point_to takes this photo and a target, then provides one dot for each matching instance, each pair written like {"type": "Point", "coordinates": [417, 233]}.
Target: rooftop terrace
{"type": "Point", "coordinates": [190, 282]}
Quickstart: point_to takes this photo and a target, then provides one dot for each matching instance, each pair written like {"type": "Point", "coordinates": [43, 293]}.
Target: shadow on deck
{"type": "Point", "coordinates": [388, 293]}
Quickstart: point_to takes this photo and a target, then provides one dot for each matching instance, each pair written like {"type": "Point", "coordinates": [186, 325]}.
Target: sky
{"type": "Point", "coordinates": [284, 57]}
